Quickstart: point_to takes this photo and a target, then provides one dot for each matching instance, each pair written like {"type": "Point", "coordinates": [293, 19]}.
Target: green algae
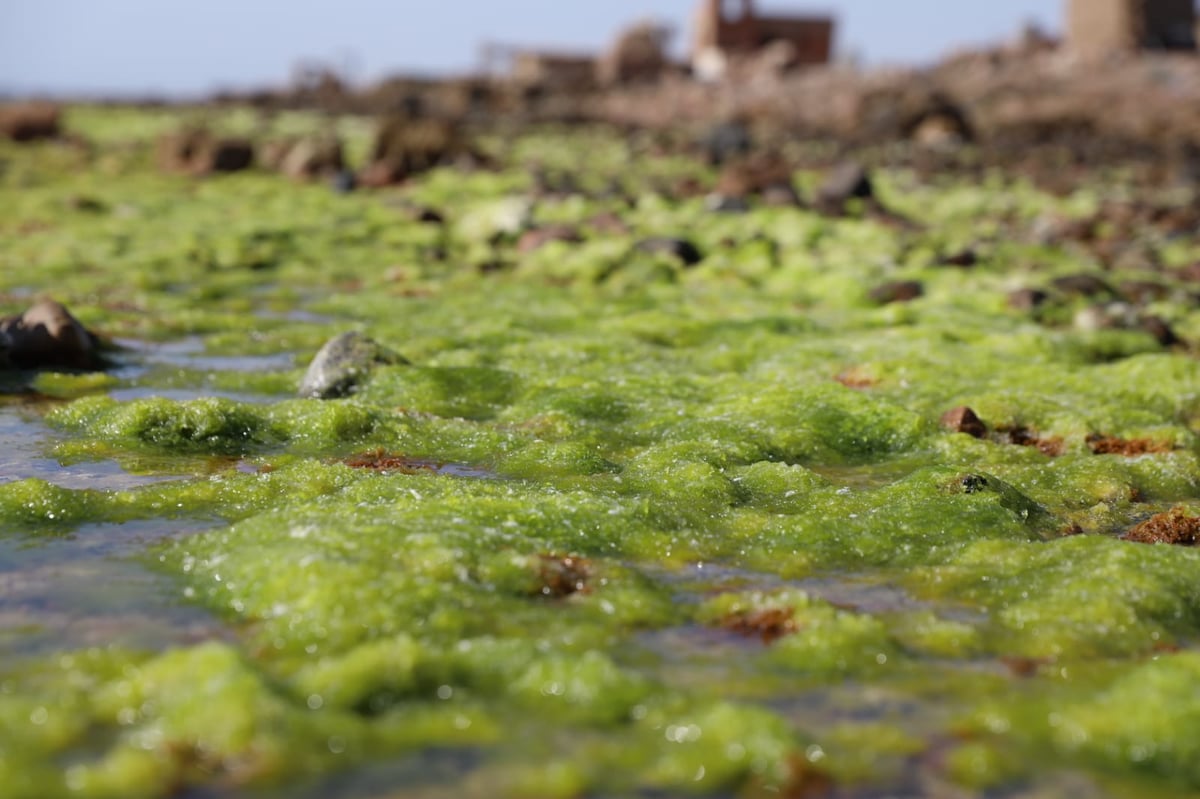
{"type": "Point", "coordinates": [479, 553]}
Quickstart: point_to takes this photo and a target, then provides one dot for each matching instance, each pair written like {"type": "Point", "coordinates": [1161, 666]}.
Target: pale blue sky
{"type": "Point", "coordinates": [175, 47]}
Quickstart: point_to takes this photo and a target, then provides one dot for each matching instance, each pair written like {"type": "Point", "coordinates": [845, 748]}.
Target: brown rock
{"type": "Point", "coordinates": [541, 236]}
{"type": "Point", "coordinates": [848, 181]}
{"type": "Point", "coordinates": [313, 157]}
{"type": "Point", "coordinates": [405, 146]}
{"type": "Point", "coordinates": [196, 151]}
{"type": "Point", "coordinates": [25, 122]}
{"type": "Point", "coordinates": [897, 291]}
{"type": "Point", "coordinates": [47, 335]}
{"type": "Point", "coordinates": [1172, 527]}
{"type": "Point", "coordinates": [1027, 299]}
{"type": "Point", "coordinates": [1162, 332]}
{"type": "Point", "coordinates": [963, 420]}
{"type": "Point", "coordinates": [963, 259]}
{"type": "Point", "coordinates": [1083, 285]}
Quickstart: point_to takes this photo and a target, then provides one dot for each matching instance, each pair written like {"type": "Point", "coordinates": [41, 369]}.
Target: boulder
{"type": "Point", "coordinates": [682, 249]}
{"type": "Point", "coordinates": [196, 151]}
{"type": "Point", "coordinates": [343, 363]}
{"type": "Point", "coordinates": [847, 181]}
{"type": "Point", "coordinates": [313, 157]}
{"type": "Point", "coordinates": [405, 146]}
{"type": "Point", "coordinates": [31, 121]}
{"type": "Point", "coordinates": [47, 336]}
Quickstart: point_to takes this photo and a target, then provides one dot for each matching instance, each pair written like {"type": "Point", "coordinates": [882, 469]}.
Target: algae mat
{"type": "Point", "coordinates": [622, 525]}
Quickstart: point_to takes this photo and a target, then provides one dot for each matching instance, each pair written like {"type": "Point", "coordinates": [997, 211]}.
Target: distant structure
{"type": "Point", "coordinates": [729, 29]}
{"type": "Point", "coordinates": [1100, 28]}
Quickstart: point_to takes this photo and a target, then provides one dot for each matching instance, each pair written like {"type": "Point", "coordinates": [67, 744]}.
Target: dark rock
{"type": "Point", "coordinates": [963, 420]}
{"type": "Point", "coordinates": [86, 203]}
{"type": "Point", "coordinates": [973, 483]}
{"type": "Point", "coordinates": [963, 259]}
{"type": "Point", "coordinates": [228, 155]}
{"type": "Point", "coordinates": [1027, 299]}
{"type": "Point", "coordinates": [343, 181]}
{"type": "Point", "coordinates": [726, 141]}
{"type": "Point", "coordinates": [897, 291]}
{"type": "Point", "coordinates": [46, 336]}
{"type": "Point", "coordinates": [1083, 285]}
{"type": "Point", "coordinates": [848, 181]}
{"type": "Point", "coordinates": [343, 363]}
{"type": "Point", "coordinates": [682, 249]}
{"type": "Point", "coordinates": [1162, 332]}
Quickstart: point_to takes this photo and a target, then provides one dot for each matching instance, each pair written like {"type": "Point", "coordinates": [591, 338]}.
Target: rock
{"type": "Point", "coordinates": [1083, 285]}
{"type": "Point", "coordinates": [25, 122]}
{"type": "Point", "coordinates": [198, 152]}
{"type": "Point", "coordinates": [682, 249]}
{"type": "Point", "coordinates": [727, 141]}
{"type": "Point", "coordinates": [1173, 527]}
{"type": "Point", "coordinates": [897, 291]}
{"type": "Point", "coordinates": [846, 182]}
{"type": "Point", "coordinates": [767, 177]}
{"type": "Point", "coordinates": [538, 237]}
{"type": "Point", "coordinates": [1027, 299]}
{"type": "Point", "coordinates": [343, 182]}
{"type": "Point", "coordinates": [726, 203]}
{"type": "Point", "coordinates": [343, 363]}
{"type": "Point", "coordinates": [404, 147]}
{"type": "Point", "coordinates": [313, 157]}
{"type": "Point", "coordinates": [608, 223]}
{"type": "Point", "coordinates": [963, 259]}
{"type": "Point", "coordinates": [963, 420]}
{"type": "Point", "coordinates": [1162, 332]}
{"type": "Point", "coordinates": [45, 336]}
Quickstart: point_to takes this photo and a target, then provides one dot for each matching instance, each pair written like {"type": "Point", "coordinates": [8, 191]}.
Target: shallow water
{"type": "Point", "coordinates": [88, 589]}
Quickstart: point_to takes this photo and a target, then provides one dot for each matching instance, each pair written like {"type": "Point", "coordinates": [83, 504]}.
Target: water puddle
{"type": "Point", "coordinates": [24, 441]}
{"type": "Point", "coordinates": [88, 590]}
{"type": "Point", "coordinates": [188, 353]}
{"type": "Point", "coordinates": [187, 394]}
{"type": "Point", "coordinates": [866, 477]}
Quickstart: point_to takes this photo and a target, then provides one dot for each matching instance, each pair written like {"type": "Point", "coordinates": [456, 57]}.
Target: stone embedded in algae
{"type": "Point", "coordinates": [343, 364]}
{"type": "Point", "coordinates": [47, 335]}
{"type": "Point", "coordinates": [1172, 527]}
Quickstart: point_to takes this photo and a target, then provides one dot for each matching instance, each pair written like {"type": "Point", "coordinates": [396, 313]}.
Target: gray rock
{"type": "Point", "coordinates": [682, 249]}
{"type": "Point", "coordinates": [343, 363]}
{"type": "Point", "coordinates": [848, 181]}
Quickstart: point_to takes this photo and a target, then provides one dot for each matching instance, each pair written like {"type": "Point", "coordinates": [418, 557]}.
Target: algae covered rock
{"type": "Point", "coordinates": [343, 363]}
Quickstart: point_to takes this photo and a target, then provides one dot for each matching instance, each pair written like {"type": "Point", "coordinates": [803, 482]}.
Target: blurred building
{"type": "Point", "coordinates": [728, 29]}
{"type": "Point", "coordinates": [1100, 28]}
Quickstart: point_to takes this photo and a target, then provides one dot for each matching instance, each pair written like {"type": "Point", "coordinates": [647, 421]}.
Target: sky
{"type": "Point", "coordinates": [179, 48]}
